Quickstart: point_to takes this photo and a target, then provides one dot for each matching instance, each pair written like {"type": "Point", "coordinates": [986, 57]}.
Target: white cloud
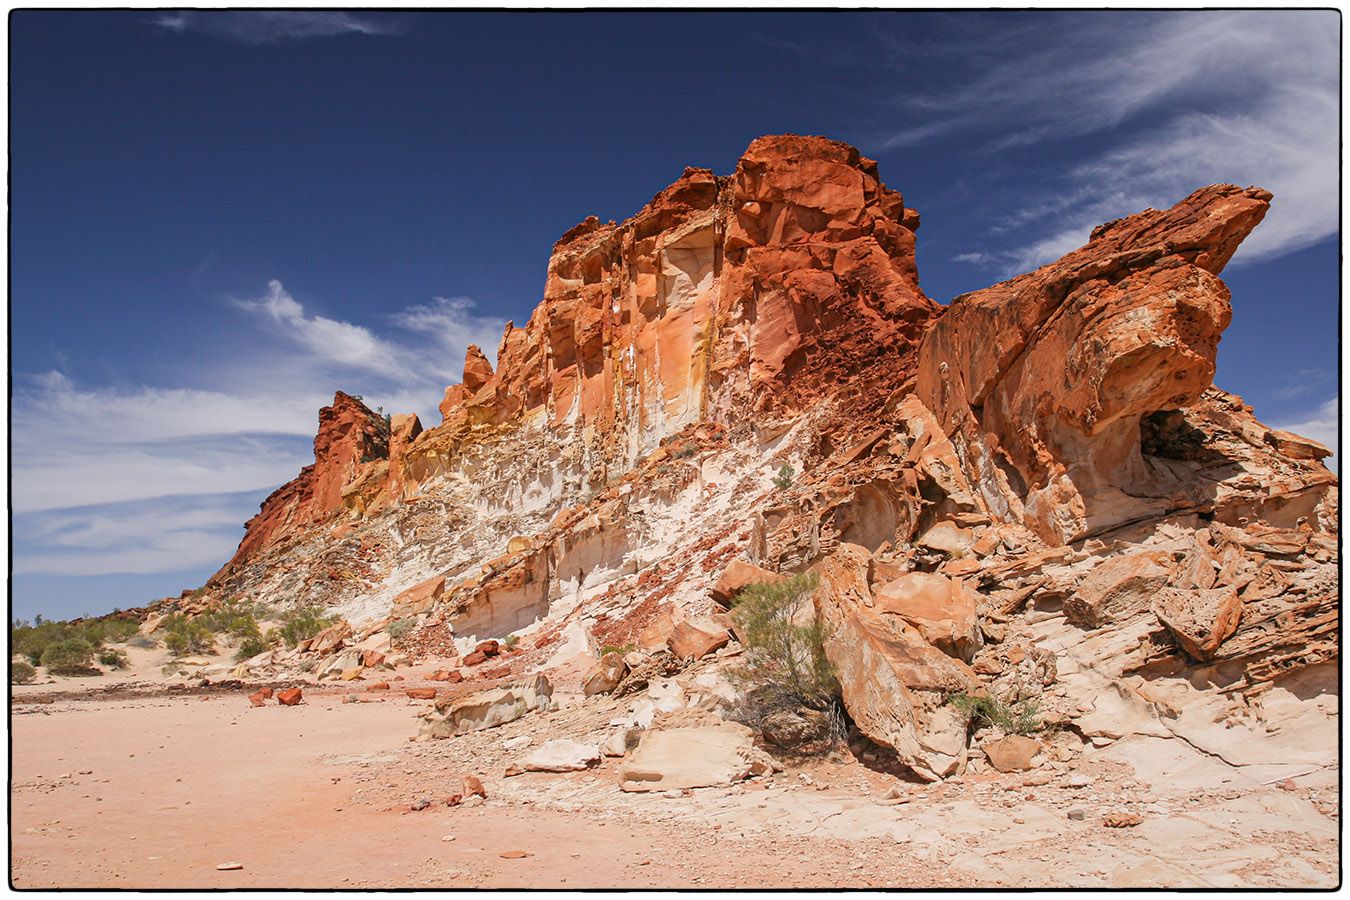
{"type": "Point", "coordinates": [161, 478]}
{"type": "Point", "coordinates": [1186, 99]}
{"type": "Point", "coordinates": [273, 26]}
{"type": "Point", "coordinates": [1322, 425]}
{"type": "Point", "coordinates": [167, 535]}
{"type": "Point", "coordinates": [326, 339]}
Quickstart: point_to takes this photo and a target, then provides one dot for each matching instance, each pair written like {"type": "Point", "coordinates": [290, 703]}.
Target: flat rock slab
{"type": "Point", "coordinates": [704, 756]}
{"type": "Point", "coordinates": [562, 756]}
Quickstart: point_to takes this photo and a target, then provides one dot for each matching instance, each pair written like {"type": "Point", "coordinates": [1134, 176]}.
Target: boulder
{"type": "Point", "coordinates": [879, 668]}
{"type": "Point", "coordinates": [378, 686]}
{"type": "Point", "coordinates": [1117, 588]}
{"type": "Point", "coordinates": [795, 729]}
{"type": "Point", "coordinates": [419, 598]}
{"type": "Point", "coordinates": [290, 696]}
{"type": "Point", "coordinates": [372, 658]}
{"type": "Point", "coordinates": [696, 638]}
{"type": "Point", "coordinates": [258, 698]}
{"type": "Point", "coordinates": [561, 755]}
{"type": "Point", "coordinates": [1013, 753]}
{"type": "Point", "coordinates": [331, 638]}
{"type": "Point", "coordinates": [1199, 620]}
{"type": "Point", "coordinates": [473, 787]}
{"type": "Point", "coordinates": [701, 756]}
{"type": "Point", "coordinates": [941, 608]}
{"type": "Point", "coordinates": [739, 575]}
{"type": "Point", "coordinates": [947, 537]}
{"type": "Point", "coordinates": [607, 674]}
{"type": "Point", "coordinates": [620, 742]}
{"type": "Point", "coordinates": [487, 709]}
{"type": "Point", "coordinates": [421, 693]}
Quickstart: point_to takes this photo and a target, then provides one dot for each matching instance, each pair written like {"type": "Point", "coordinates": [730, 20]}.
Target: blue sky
{"type": "Point", "coordinates": [220, 218]}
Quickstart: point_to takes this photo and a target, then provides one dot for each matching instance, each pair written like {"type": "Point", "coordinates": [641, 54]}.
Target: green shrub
{"type": "Point", "coordinates": [119, 631]}
{"type": "Point", "coordinates": [233, 619]}
{"type": "Point", "coordinates": [302, 624]}
{"type": "Point", "coordinates": [622, 649]}
{"type": "Point", "coordinates": [779, 649]}
{"type": "Point", "coordinates": [183, 635]}
{"type": "Point", "coordinates": [785, 673]}
{"type": "Point", "coordinates": [73, 656]}
{"type": "Point", "coordinates": [20, 672]}
{"type": "Point", "coordinates": [144, 642]}
{"type": "Point", "coordinates": [783, 480]}
{"type": "Point", "coordinates": [399, 628]}
{"type": "Point", "coordinates": [510, 641]}
{"type": "Point", "coordinates": [1016, 716]}
{"type": "Point", "coordinates": [250, 647]}
{"type": "Point", "coordinates": [113, 659]}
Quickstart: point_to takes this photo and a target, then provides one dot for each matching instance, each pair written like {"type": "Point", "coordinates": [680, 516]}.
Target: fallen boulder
{"type": "Point", "coordinates": [562, 755]}
{"type": "Point", "coordinates": [696, 638]}
{"type": "Point", "coordinates": [941, 608]}
{"type": "Point", "coordinates": [702, 756]}
{"type": "Point", "coordinates": [606, 675]}
{"type": "Point", "coordinates": [1013, 753]}
{"type": "Point", "coordinates": [422, 693]}
{"type": "Point", "coordinates": [487, 709]}
{"type": "Point", "coordinates": [473, 787]}
{"type": "Point", "coordinates": [880, 668]}
{"type": "Point", "coordinates": [290, 696]}
{"type": "Point", "coordinates": [739, 575]}
{"type": "Point", "coordinates": [1117, 588]}
{"type": "Point", "coordinates": [1199, 620]}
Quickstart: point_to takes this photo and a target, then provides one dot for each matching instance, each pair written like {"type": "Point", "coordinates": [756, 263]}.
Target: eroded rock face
{"type": "Point", "coordinates": [1042, 381]}
{"type": "Point", "coordinates": [350, 436]}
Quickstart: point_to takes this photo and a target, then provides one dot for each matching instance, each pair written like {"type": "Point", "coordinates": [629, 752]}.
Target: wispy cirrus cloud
{"type": "Point", "coordinates": [270, 27]}
{"type": "Point", "coordinates": [1117, 111]}
{"type": "Point", "coordinates": [150, 478]}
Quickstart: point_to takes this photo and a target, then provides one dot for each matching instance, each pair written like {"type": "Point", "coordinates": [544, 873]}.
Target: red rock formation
{"type": "Point", "coordinates": [1041, 381]}
{"type": "Point", "coordinates": [349, 435]}
{"type": "Point", "coordinates": [795, 272]}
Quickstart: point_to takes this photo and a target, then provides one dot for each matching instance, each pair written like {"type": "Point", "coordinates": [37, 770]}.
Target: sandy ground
{"type": "Point", "coordinates": [126, 790]}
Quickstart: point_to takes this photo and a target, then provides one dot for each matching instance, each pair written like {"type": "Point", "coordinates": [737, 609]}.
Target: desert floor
{"type": "Point", "coordinates": [118, 782]}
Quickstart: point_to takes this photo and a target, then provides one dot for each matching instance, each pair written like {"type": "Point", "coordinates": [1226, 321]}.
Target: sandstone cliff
{"type": "Point", "coordinates": [1092, 519]}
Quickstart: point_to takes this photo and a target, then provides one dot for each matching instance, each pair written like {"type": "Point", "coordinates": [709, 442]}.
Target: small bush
{"type": "Point", "coordinates": [785, 669]}
{"type": "Point", "coordinates": [783, 480]}
{"type": "Point", "coordinates": [20, 672]}
{"type": "Point", "coordinates": [1016, 716]}
{"type": "Point", "coordinates": [74, 656]}
{"type": "Point", "coordinates": [250, 647]}
{"type": "Point", "coordinates": [144, 642]}
{"type": "Point", "coordinates": [113, 659]}
{"type": "Point", "coordinates": [233, 619]}
{"type": "Point", "coordinates": [302, 624]}
{"type": "Point", "coordinates": [183, 635]}
{"type": "Point", "coordinates": [622, 649]}
{"type": "Point", "coordinates": [399, 628]}
{"type": "Point", "coordinates": [510, 641]}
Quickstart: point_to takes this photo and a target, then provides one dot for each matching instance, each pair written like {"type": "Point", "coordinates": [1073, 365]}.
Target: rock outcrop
{"type": "Point", "coordinates": [1035, 495]}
